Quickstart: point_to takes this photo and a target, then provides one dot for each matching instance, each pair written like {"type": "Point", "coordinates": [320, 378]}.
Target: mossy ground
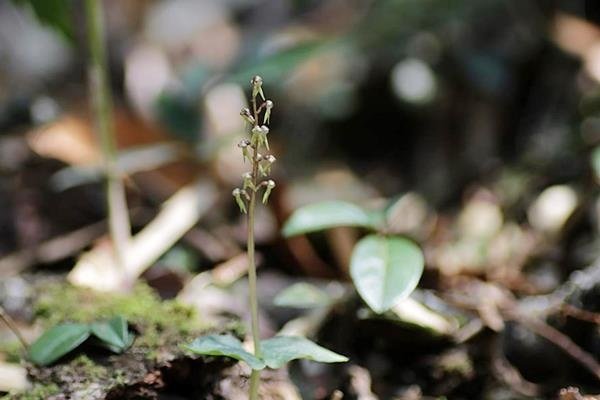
{"type": "Point", "coordinates": [160, 326]}
{"type": "Point", "coordinates": [156, 320]}
{"type": "Point", "coordinates": [37, 392]}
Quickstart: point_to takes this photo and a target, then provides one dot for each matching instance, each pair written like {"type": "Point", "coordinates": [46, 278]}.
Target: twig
{"type": "Point", "coordinates": [510, 375]}
{"type": "Point", "coordinates": [10, 323]}
{"type": "Point", "coordinates": [559, 339]}
{"type": "Point", "coordinates": [578, 313]}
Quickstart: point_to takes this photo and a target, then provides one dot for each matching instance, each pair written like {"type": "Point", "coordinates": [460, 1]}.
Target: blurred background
{"type": "Point", "coordinates": [476, 121]}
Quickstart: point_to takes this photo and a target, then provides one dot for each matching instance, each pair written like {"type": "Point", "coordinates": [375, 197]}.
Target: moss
{"type": "Point", "coordinates": [119, 377]}
{"type": "Point", "coordinates": [38, 392]}
{"type": "Point", "coordinates": [161, 327]}
{"type": "Point", "coordinates": [158, 321]}
{"type": "Point", "coordinates": [12, 350]}
{"type": "Point", "coordinates": [88, 368]}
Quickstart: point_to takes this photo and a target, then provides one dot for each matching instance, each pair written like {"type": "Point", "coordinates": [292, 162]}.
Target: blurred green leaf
{"type": "Point", "coordinates": [224, 345]}
{"type": "Point", "coordinates": [57, 342]}
{"type": "Point", "coordinates": [275, 67]}
{"type": "Point", "coordinates": [280, 350]}
{"type": "Point", "coordinates": [324, 215]}
{"type": "Point", "coordinates": [114, 334]}
{"type": "Point", "coordinates": [54, 13]}
{"type": "Point", "coordinates": [179, 115]}
{"type": "Point", "coordinates": [302, 295]}
{"type": "Point", "coordinates": [385, 270]}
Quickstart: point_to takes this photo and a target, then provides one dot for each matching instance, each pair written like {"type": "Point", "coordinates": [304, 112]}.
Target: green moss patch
{"type": "Point", "coordinates": [158, 322]}
{"type": "Point", "coordinates": [38, 392]}
{"type": "Point", "coordinates": [92, 372]}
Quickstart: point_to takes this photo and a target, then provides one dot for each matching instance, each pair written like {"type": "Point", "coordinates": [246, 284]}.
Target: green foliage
{"type": "Point", "coordinates": [276, 66]}
{"type": "Point", "coordinates": [12, 350]}
{"type": "Point", "coordinates": [57, 342]}
{"type": "Point", "coordinates": [114, 334]}
{"type": "Point", "coordinates": [224, 345]}
{"type": "Point", "coordinates": [179, 115]}
{"type": "Point", "coordinates": [325, 215]}
{"type": "Point", "coordinates": [54, 13]}
{"type": "Point", "coordinates": [280, 350]}
{"type": "Point", "coordinates": [160, 322]}
{"type": "Point", "coordinates": [276, 352]}
{"type": "Point", "coordinates": [64, 338]}
{"type": "Point", "coordinates": [385, 270]}
{"type": "Point", "coordinates": [302, 295]}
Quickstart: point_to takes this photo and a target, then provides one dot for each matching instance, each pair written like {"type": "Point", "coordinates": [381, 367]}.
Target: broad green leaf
{"type": "Point", "coordinates": [324, 215]}
{"type": "Point", "coordinates": [302, 295]}
{"type": "Point", "coordinates": [56, 342]}
{"type": "Point", "coordinates": [114, 334]}
{"type": "Point", "coordinates": [385, 270]}
{"type": "Point", "coordinates": [224, 345]}
{"type": "Point", "coordinates": [279, 350]}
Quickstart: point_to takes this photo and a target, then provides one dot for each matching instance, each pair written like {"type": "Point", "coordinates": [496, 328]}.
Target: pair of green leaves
{"type": "Point", "coordinates": [64, 338]}
{"type": "Point", "coordinates": [384, 269]}
{"type": "Point", "coordinates": [276, 352]}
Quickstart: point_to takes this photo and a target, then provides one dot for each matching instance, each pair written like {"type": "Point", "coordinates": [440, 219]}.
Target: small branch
{"type": "Point", "coordinates": [510, 375]}
{"type": "Point", "coordinates": [580, 314]}
{"type": "Point", "coordinates": [561, 340]}
{"type": "Point", "coordinates": [10, 323]}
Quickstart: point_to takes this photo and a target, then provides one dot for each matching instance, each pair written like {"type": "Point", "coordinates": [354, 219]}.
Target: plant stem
{"type": "Point", "coordinates": [13, 327]}
{"type": "Point", "coordinates": [255, 376]}
{"type": "Point", "coordinates": [254, 384]}
{"type": "Point", "coordinates": [119, 226]}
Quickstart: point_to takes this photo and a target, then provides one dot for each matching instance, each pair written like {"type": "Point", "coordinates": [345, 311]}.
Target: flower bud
{"type": "Point", "coordinates": [270, 186]}
{"type": "Point", "coordinates": [237, 194]}
{"type": "Point", "coordinates": [265, 131]}
{"type": "Point", "coordinates": [247, 116]}
{"type": "Point", "coordinates": [265, 168]}
{"type": "Point", "coordinates": [259, 137]}
{"type": "Point", "coordinates": [256, 80]}
{"type": "Point", "coordinates": [269, 106]}
{"type": "Point", "coordinates": [257, 87]}
{"type": "Point", "coordinates": [247, 179]}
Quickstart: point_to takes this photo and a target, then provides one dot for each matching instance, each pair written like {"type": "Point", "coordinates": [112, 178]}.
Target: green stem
{"type": "Point", "coordinates": [252, 276]}
{"type": "Point", "coordinates": [120, 229]}
{"type": "Point", "coordinates": [254, 384]}
{"type": "Point", "coordinates": [255, 377]}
